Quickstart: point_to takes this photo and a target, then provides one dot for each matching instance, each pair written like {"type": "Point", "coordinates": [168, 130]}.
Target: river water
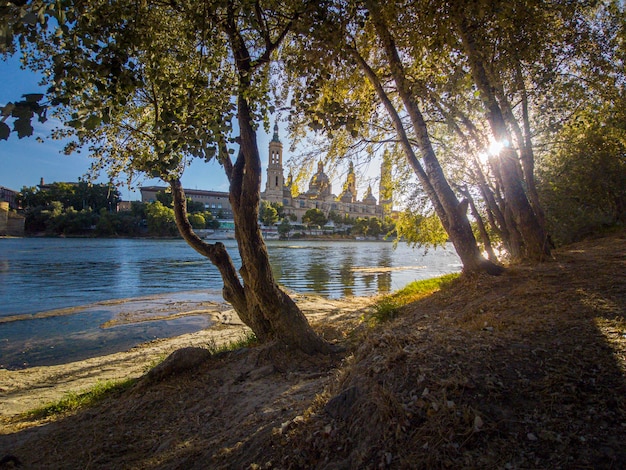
{"type": "Point", "coordinates": [59, 297]}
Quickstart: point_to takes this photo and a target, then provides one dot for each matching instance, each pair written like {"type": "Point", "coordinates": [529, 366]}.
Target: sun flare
{"type": "Point", "coordinates": [495, 148]}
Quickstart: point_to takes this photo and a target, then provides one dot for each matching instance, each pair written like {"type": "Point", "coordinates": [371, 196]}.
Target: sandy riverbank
{"type": "Point", "coordinates": [23, 390]}
{"type": "Point", "coordinates": [523, 370]}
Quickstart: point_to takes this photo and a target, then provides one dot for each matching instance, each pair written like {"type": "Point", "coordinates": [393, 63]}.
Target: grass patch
{"type": "Point", "coordinates": [77, 400]}
{"type": "Point", "coordinates": [389, 306]}
{"type": "Point", "coordinates": [155, 362]}
{"type": "Point", "coordinates": [246, 340]}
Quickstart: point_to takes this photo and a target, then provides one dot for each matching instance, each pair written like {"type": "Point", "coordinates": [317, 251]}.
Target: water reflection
{"type": "Point", "coordinates": [384, 279]}
{"type": "Point", "coordinates": [318, 274]}
{"type": "Point", "coordinates": [43, 274]}
{"type": "Point", "coordinates": [347, 272]}
{"type": "Point", "coordinates": [39, 275]}
{"type": "Point", "coordinates": [48, 341]}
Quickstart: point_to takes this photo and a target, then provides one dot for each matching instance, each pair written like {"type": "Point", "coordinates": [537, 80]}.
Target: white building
{"type": "Point", "coordinates": [319, 195]}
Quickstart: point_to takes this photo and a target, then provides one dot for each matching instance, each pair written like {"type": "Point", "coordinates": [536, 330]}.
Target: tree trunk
{"type": "Point", "coordinates": [288, 323]}
{"type": "Point", "coordinates": [233, 291]}
{"type": "Point", "coordinates": [453, 216]}
{"type": "Point", "coordinates": [535, 240]}
{"type": "Point", "coordinates": [491, 255]}
{"type": "Point", "coordinates": [528, 158]}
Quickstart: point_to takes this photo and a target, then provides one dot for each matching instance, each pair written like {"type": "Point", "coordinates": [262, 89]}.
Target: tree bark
{"type": "Point", "coordinates": [450, 211]}
{"type": "Point", "coordinates": [535, 240]}
{"type": "Point", "coordinates": [491, 255]}
{"type": "Point", "coordinates": [233, 291]}
{"type": "Point", "coordinates": [288, 323]}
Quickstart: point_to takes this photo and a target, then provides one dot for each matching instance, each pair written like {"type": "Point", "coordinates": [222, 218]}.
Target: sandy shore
{"type": "Point", "coordinates": [23, 390]}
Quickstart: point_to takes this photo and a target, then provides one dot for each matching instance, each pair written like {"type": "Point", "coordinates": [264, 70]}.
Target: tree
{"type": "Point", "coordinates": [526, 219]}
{"type": "Point", "coordinates": [284, 228]}
{"type": "Point", "coordinates": [314, 217]}
{"type": "Point", "coordinates": [165, 198]}
{"type": "Point", "coordinates": [197, 221]}
{"type": "Point", "coordinates": [375, 227]}
{"type": "Point", "coordinates": [456, 79]}
{"type": "Point", "coordinates": [268, 214]}
{"type": "Point", "coordinates": [350, 49]}
{"type": "Point", "coordinates": [583, 181]}
{"type": "Point", "coordinates": [335, 217]}
{"type": "Point", "coordinates": [117, 71]}
{"type": "Point", "coordinates": [117, 223]}
{"type": "Point", "coordinates": [194, 206]}
{"type": "Point", "coordinates": [81, 195]}
{"type": "Point", "coordinates": [32, 197]}
{"type": "Point", "coordinates": [360, 227]}
{"type": "Point", "coordinates": [161, 220]}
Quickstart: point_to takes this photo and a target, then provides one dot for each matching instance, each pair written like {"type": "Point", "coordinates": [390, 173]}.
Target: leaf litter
{"type": "Point", "coordinates": [524, 370]}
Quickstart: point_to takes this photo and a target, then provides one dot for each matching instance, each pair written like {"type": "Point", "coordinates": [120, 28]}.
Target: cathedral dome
{"type": "Point", "coordinates": [347, 196]}
{"type": "Point", "coordinates": [320, 182]}
{"type": "Point", "coordinates": [369, 199]}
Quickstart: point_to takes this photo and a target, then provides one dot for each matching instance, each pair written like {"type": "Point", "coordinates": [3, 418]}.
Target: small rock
{"type": "Point", "coordinates": [531, 436]}
{"type": "Point", "coordinates": [284, 427]}
{"type": "Point", "coordinates": [340, 406]}
{"type": "Point", "coordinates": [478, 423]}
{"type": "Point", "coordinates": [179, 361]}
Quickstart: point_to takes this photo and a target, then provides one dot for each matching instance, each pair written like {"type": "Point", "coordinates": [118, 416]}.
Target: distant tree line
{"type": "Point", "coordinates": [85, 209]}
{"type": "Point", "coordinates": [315, 219]}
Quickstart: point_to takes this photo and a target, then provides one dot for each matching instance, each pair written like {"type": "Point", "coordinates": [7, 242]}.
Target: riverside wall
{"type": "Point", "coordinates": [11, 224]}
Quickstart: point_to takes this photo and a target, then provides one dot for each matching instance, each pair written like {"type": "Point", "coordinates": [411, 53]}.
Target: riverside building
{"type": "Point", "coordinates": [319, 195]}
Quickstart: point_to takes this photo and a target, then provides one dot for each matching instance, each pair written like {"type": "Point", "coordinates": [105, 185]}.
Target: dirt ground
{"type": "Point", "coordinates": [525, 370]}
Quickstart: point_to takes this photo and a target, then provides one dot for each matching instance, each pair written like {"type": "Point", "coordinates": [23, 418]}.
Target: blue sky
{"type": "Point", "coordinates": [23, 162]}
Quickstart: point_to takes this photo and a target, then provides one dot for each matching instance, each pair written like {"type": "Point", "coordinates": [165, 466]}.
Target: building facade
{"type": "Point", "coordinates": [215, 202]}
{"type": "Point", "coordinates": [10, 196]}
{"type": "Point", "coordinates": [11, 223]}
{"type": "Point", "coordinates": [319, 194]}
{"type": "Point", "coordinates": [278, 190]}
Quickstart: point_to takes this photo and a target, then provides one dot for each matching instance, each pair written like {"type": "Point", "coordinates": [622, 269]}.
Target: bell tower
{"type": "Point", "coordinates": [275, 179]}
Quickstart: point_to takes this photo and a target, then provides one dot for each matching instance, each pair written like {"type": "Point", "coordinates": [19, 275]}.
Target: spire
{"type": "Point", "coordinates": [275, 137]}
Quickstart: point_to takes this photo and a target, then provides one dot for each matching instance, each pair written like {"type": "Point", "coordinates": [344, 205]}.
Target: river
{"type": "Point", "coordinates": [57, 295]}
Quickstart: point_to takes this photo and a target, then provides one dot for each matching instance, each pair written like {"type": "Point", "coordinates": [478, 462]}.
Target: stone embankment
{"type": "Point", "coordinates": [11, 224]}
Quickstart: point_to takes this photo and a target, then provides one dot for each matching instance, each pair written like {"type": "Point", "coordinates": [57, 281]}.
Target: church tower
{"type": "Point", "coordinates": [349, 187]}
{"type": "Point", "coordinates": [275, 179]}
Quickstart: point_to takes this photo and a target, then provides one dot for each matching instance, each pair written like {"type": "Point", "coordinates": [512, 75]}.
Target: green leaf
{"type": "Point", "coordinates": [92, 122]}
{"type": "Point", "coordinates": [23, 127]}
{"type": "Point", "coordinates": [4, 131]}
{"type": "Point", "coordinates": [33, 97]}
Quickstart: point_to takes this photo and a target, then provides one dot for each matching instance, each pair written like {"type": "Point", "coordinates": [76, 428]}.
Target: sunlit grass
{"type": "Point", "coordinates": [73, 401]}
{"type": "Point", "coordinates": [247, 339]}
{"type": "Point", "coordinates": [389, 306]}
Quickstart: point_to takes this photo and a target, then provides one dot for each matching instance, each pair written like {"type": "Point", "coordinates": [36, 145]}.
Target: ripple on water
{"type": "Point", "coordinates": [67, 335]}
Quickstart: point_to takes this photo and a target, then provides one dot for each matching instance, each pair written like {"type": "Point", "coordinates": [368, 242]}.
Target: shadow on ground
{"type": "Point", "coordinates": [525, 370]}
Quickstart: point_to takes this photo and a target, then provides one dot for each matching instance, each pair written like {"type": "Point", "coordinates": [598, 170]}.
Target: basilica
{"type": "Point", "coordinates": [319, 195]}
